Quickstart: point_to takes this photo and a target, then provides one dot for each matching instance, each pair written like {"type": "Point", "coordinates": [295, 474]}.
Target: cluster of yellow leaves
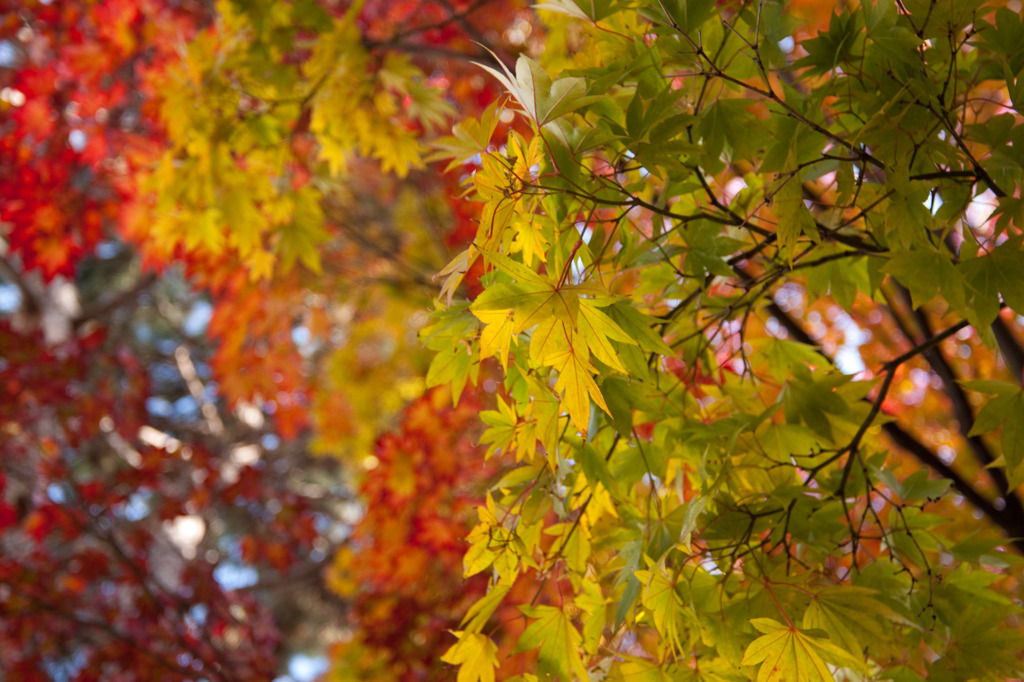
{"type": "Point", "coordinates": [567, 325]}
{"type": "Point", "coordinates": [568, 317]}
{"type": "Point", "coordinates": [355, 112]}
{"type": "Point", "coordinates": [244, 191]}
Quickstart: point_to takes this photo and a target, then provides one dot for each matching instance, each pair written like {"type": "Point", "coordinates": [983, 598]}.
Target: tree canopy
{"type": "Point", "coordinates": [598, 340]}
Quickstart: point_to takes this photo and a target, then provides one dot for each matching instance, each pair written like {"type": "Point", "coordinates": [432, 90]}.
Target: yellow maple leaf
{"type": "Point", "coordinates": [334, 153]}
{"type": "Point", "coordinates": [497, 334]}
{"type": "Point", "coordinates": [261, 265]}
{"type": "Point", "coordinates": [549, 340]}
{"type": "Point", "coordinates": [205, 232]}
{"type": "Point", "coordinates": [530, 241]}
{"type": "Point", "coordinates": [597, 329]}
{"type": "Point", "coordinates": [475, 654]}
{"type": "Point", "coordinates": [453, 274]}
{"type": "Point", "coordinates": [786, 653]}
{"type": "Point", "coordinates": [577, 385]}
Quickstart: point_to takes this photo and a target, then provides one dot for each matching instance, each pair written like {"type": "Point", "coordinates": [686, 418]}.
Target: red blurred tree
{"type": "Point", "coordinates": [208, 299]}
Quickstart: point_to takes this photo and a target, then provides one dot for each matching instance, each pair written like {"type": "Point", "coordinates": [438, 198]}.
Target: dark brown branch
{"type": "Point", "coordinates": [961, 406]}
{"type": "Point", "coordinates": [431, 50]}
{"type": "Point", "coordinates": [456, 16]}
{"type": "Point", "coordinates": [1013, 355]}
{"type": "Point", "coordinates": [946, 175]}
{"type": "Point", "coordinates": [1011, 523]}
{"type": "Point", "coordinates": [1010, 349]}
{"type": "Point", "coordinates": [109, 304]}
{"type": "Point", "coordinates": [29, 300]}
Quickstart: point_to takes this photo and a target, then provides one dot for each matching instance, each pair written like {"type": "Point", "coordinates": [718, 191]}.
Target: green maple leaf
{"type": "Point", "coordinates": [794, 219]}
{"type": "Point", "coordinates": [639, 328]}
{"type": "Point", "coordinates": [707, 248]}
{"type": "Point", "coordinates": [851, 616]}
{"type": "Point", "coordinates": [543, 99]}
{"type": "Point", "coordinates": [452, 366]}
{"type": "Point", "coordinates": [558, 640]}
{"type": "Point", "coordinates": [594, 603]}
{"type": "Point", "coordinates": [532, 296]}
{"type": "Point", "coordinates": [786, 654]}
{"type": "Point", "coordinates": [830, 49]}
{"type": "Point", "coordinates": [926, 273]}
{"type": "Point", "coordinates": [980, 642]}
{"type": "Point", "coordinates": [661, 599]}
{"type": "Point", "coordinates": [812, 398]}
{"type": "Point", "coordinates": [992, 275]}
{"type": "Point", "coordinates": [1003, 411]}
{"type": "Point", "coordinates": [782, 441]}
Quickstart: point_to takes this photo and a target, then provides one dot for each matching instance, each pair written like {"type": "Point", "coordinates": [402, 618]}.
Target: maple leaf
{"type": "Point", "coordinates": [205, 232]}
{"type": "Point", "coordinates": [530, 241]}
{"type": "Point", "coordinates": [786, 653]}
{"type": "Point", "coordinates": [1003, 410]}
{"type": "Point", "coordinates": [54, 254]}
{"type": "Point", "coordinates": [557, 639]}
{"type": "Point", "coordinates": [541, 97]}
{"type": "Point", "coordinates": [661, 599]}
{"type": "Point", "coordinates": [851, 615]}
{"type": "Point", "coordinates": [744, 211]}
{"type": "Point", "coordinates": [598, 330]}
{"type": "Point", "coordinates": [991, 275]}
{"type": "Point", "coordinates": [497, 334]}
{"type": "Point", "coordinates": [557, 345]}
{"type": "Point", "coordinates": [475, 654]}
{"type": "Point", "coordinates": [453, 274]}
{"type": "Point", "coordinates": [532, 295]}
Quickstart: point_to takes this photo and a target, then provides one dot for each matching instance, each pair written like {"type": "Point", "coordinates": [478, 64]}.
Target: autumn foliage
{"type": "Point", "coordinates": [421, 496]}
{"type": "Point", "coordinates": [125, 423]}
{"type": "Point", "coordinates": [466, 338]}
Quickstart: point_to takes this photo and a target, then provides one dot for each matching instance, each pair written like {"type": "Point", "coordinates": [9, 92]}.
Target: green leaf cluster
{"type": "Point", "coordinates": [714, 498]}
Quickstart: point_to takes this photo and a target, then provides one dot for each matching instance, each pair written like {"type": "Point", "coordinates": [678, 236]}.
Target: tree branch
{"type": "Point", "coordinates": [195, 386]}
{"type": "Point", "coordinates": [961, 407]}
{"type": "Point", "coordinates": [1011, 523]}
{"type": "Point", "coordinates": [29, 299]}
{"type": "Point", "coordinates": [108, 304]}
{"type": "Point", "coordinates": [1013, 355]}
